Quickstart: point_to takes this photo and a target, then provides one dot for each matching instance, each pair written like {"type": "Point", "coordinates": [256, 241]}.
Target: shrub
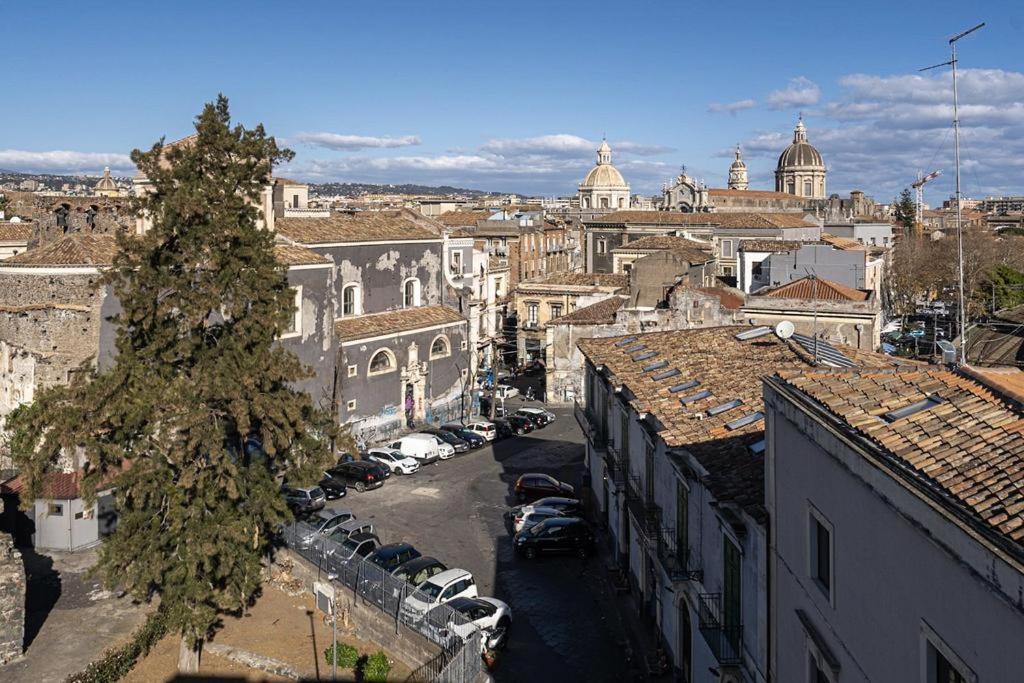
{"type": "Point", "coordinates": [347, 656]}
{"type": "Point", "coordinates": [376, 668]}
{"type": "Point", "coordinates": [115, 664]}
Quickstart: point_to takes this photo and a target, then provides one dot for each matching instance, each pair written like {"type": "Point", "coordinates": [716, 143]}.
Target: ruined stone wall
{"type": "Point", "coordinates": [12, 599]}
{"type": "Point", "coordinates": [104, 215]}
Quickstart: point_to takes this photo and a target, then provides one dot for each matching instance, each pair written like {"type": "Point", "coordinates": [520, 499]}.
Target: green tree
{"type": "Point", "coordinates": [197, 377]}
{"type": "Point", "coordinates": [904, 210]}
{"type": "Point", "coordinates": [1005, 287]}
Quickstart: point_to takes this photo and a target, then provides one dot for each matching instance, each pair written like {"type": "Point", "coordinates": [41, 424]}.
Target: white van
{"type": "Point", "coordinates": [423, 447]}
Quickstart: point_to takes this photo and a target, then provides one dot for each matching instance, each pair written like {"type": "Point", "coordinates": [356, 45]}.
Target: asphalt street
{"type": "Point", "coordinates": [563, 623]}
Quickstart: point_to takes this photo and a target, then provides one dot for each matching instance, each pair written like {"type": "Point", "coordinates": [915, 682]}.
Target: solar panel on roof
{"type": "Point", "coordinates": [625, 342]}
{"type": "Point", "coordinates": [665, 375]}
{"type": "Point", "coordinates": [638, 347]}
{"type": "Point", "coordinates": [825, 352]}
{"type": "Point", "coordinates": [645, 356]}
{"type": "Point", "coordinates": [754, 333]}
{"type": "Point", "coordinates": [676, 388]}
{"type": "Point", "coordinates": [719, 409]}
{"type": "Point", "coordinates": [692, 398]}
{"type": "Point", "coordinates": [926, 403]}
{"type": "Point", "coordinates": [745, 420]}
{"type": "Point", "coordinates": [757, 447]}
{"type": "Point", "coordinates": [657, 365]}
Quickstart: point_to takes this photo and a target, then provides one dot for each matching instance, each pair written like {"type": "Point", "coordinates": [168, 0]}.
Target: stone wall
{"type": "Point", "coordinates": [105, 215]}
{"type": "Point", "coordinates": [12, 600]}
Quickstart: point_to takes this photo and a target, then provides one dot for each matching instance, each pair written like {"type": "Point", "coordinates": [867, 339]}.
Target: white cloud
{"type": "Point", "coordinates": [64, 161]}
{"type": "Point", "coordinates": [731, 107]}
{"type": "Point", "coordinates": [799, 92]}
{"type": "Point", "coordinates": [565, 145]}
{"type": "Point", "coordinates": [348, 143]}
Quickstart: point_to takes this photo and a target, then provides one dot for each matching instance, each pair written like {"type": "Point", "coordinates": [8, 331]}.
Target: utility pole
{"type": "Point", "coordinates": [959, 198]}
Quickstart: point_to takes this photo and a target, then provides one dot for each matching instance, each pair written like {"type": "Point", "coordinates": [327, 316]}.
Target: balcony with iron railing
{"type": "Point", "coordinates": [643, 509]}
{"type": "Point", "coordinates": [725, 640]}
{"type": "Point", "coordinates": [615, 464]}
{"type": "Point", "coordinates": [595, 431]}
{"type": "Point", "coordinates": [679, 561]}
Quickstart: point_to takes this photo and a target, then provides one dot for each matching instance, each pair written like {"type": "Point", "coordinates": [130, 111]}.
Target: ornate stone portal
{"type": "Point", "coordinates": [414, 383]}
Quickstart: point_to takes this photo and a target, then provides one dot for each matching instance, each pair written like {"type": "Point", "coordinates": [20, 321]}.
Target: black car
{"type": "Point", "coordinates": [555, 535]}
{"type": "Point", "coordinates": [389, 557]}
{"type": "Point", "coordinates": [304, 501]}
{"type": "Point", "coordinates": [460, 445]}
{"type": "Point", "coordinates": [333, 488]}
{"type": "Point", "coordinates": [567, 506]}
{"type": "Point", "coordinates": [536, 420]}
{"type": "Point", "coordinates": [520, 424]}
{"type": "Point", "coordinates": [503, 429]}
{"type": "Point", "coordinates": [473, 439]}
{"type": "Point", "coordinates": [360, 475]}
{"type": "Point", "coordinates": [417, 570]}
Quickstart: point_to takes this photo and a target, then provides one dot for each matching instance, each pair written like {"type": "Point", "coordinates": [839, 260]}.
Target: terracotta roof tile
{"type": "Point", "coordinates": [751, 194]}
{"type": "Point", "coordinates": [76, 249]}
{"type": "Point", "coordinates": [816, 288]}
{"type": "Point", "coordinates": [601, 313]}
{"type": "Point", "coordinates": [968, 447]}
{"type": "Point", "coordinates": [15, 232]}
{"type": "Point", "coordinates": [730, 299]}
{"type": "Point", "coordinates": [689, 250]}
{"type": "Point", "coordinates": [294, 255]}
{"type": "Point", "coordinates": [394, 322]}
{"type": "Point", "coordinates": [773, 246]}
{"type": "Point", "coordinates": [844, 243]}
{"type": "Point", "coordinates": [365, 226]}
{"type": "Point", "coordinates": [56, 485]}
{"type": "Point", "coordinates": [568, 279]}
{"type": "Point", "coordinates": [462, 218]}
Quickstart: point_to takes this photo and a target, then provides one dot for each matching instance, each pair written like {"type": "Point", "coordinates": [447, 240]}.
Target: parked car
{"type": "Point", "coordinates": [569, 507]}
{"type": "Point", "coordinates": [350, 528]}
{"type": "Point", "coordinates": [419, 569]}
{"type": "Point", "coordinates": [389, 557]}
{"type": "Point", "coordinates": [393, 459]}
{"type": "Point", "coordinates": [444, 449]}
{"type": "Point", "coordinates": [485, 408]}
{"type": "Point", "coordinates": [333, 488]}
{"type": "Point", "coordinates": [520, 424]}
{"type": "Point", "coordinates": [505, 392]}
{"type": "Point", "coordinates": [420, 446]}
{"type": "Point", "coordinates": [439, 589]}
{"type": "Point", "coordinates": [503, 430]}
{"type": "Point", "coordinates": [546, 416]}
{"type": "Point", "coordinates": [356, 545]}
{"type": "Point", "coordinates": [530, 487]}
{"type": "Point", "coordinates": [483, 428]}
{"type": "Point", "coordinates": [460, 445]}
{"type": "Point", "coordinates": [306, 500]}
{"type": "Point", "coordinates": [359, 474]}
{"type": "Point", "coordinates": [472, 438]}
{"type": "Point", "coordinates": [538, 421]}
{"type": "Point", "coordinates": [484, 613]}
{"type": "Point", "coordinates": [557, 534]}
{"type": "Point", "coordinates": [324, 521]}
{"type": "Point", "coordinates": [530, 515]}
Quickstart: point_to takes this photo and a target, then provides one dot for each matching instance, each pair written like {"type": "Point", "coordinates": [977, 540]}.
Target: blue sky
{"type": "Point", "coordinates": [516, 96]}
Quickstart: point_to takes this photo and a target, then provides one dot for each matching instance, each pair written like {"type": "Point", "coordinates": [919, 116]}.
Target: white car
{"type": "Point", "coordinates": [394, 459]}
{"type": "Point", "coordinates": [437, 590]}
{"type": "Point", "coordinates": [504, 391]}
{"type": "Point", "coordinates": [444, 449]}
{"type": "Point", "coordinates": [529, 515]}
{"type": "Point", "coordinates": [484, 429]}
{"type": "Point", "coordinates": [547, 414]}
{"type": "Point", "coordinates": [485, 614]}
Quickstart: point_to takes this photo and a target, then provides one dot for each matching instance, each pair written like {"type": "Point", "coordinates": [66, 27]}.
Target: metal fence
{"type": "Point", "coordinates": [459, 660]}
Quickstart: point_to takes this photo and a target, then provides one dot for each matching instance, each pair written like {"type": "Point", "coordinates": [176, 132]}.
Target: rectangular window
{"type": "Point", "coordinates": [942, 664]}
{"type": "Point", "coordinates": [682, 519]}
{"type": "Point", "coordinates": [353, 370]}
{"type": "Point", "coordinates": [295, 324]}
{"type": "Point", "coordinates": [351, 405]}
{"type": "Point", "coordinates": [731, 599]}
{"type": "Point", "coordinates": [602, 246]}
{"type": "Point", "coordinates": [55, 509]}
{"type": "Point", "coordinates": [728, 249]}
{"type": "Point", "coordinates": [649, 473]}
{"type": "Point", "coordinates": [820, 552]}
{"type": "Point", "coordinates": [84, 514]}
{"type": "Point", "coordinates": [531, 314]}
{"type": "Point", "coordinates": [556, 310]}
{"type": "Point", "coordinates": [457, 262]}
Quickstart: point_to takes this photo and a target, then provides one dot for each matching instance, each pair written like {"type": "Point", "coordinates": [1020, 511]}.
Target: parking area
{"type": "Point", "coordinates": [563, 628]}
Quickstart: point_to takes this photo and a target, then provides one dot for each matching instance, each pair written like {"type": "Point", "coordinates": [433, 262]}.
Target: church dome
{"type": "Point", "coordinates": [604, 174]}
{"type": "Point", "coordinates": [106, 182]}
{"type": "Point", "coordinates": [800, 154]}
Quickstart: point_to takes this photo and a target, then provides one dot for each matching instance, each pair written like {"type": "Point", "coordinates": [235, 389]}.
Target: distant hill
{"type": "Point", "coordinates": [50, 181]}
{"type": "Point", "coordinates": [358, 189]}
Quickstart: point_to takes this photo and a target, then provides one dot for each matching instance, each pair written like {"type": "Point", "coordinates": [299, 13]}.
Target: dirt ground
{"type": "Point", "coordinates": [280, 626]}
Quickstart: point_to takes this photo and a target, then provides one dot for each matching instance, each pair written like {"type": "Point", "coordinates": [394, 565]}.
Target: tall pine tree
{"type": "Point", "coordinates": [197, 419]}
{"type": "Point", "coordinates": [904, 211]}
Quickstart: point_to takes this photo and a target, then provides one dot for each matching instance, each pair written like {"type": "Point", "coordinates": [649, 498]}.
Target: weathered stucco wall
{"type": "Point", "coordinates": [380, 270]}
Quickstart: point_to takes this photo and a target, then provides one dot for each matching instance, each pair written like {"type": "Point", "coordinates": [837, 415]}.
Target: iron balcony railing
{"type": "Point", "coordinates": [644, 510]}
{"type": "Point", "coordinates": [679, 561]}
{"type": "Point", "coordinates": [725, 640]}
{"type": "Point", "coordinates": [596, 434]}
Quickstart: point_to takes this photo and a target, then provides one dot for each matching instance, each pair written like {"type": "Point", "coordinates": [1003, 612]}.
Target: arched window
{"type": "Point", "coordinates": [351, 301]}
{"type": "Point", "coordinates": [381, 362]}
{"type": "Point", "coordinates": [622, 202]}
{"type": "Point", "coordinates": [440, 348]}
{"type": "Point", "coordinates": [411, 293]}
{"type": "Point", "coordinates": [807, 188]}
{"type": "Point", "coordinates": [791, 187]}
{"type": "Point", "coordinates": [604, 202]}
{"type": "Point", "coordinates": [586, 202]}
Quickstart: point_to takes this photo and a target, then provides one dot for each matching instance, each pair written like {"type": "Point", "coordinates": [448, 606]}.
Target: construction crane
{"type": "Point", "coordinates": [918, 186]}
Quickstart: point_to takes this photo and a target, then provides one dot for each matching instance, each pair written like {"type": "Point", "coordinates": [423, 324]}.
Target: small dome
{"type": "Point", "coordinates": [738, 164]}
{"type": "Point", "coordinates": [800, 153]}
{"type": "Point", "coordinates": [106, 182]}
{"type": "Point", "coordinates": [604, 175]}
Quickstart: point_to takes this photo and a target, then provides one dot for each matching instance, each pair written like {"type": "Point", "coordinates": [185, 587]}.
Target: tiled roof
{"type": "Point", "coordinates": [287, 181]}
{"type": "Point", "coordinates": [577, 280]}
{"type": "Point", "coordinates": [751, 194]}
{"type": "Point", "coordinates": [1007, 381]}
{"type": "Point", "coordinates": [601, 313]}
{"type": "Point", "coordinates": [394, 322]}
{"type": "Point", "coordinates": [729, 298]}
{"type": "Point", "coordinates": [727, 367]}
{"type": "Point", "coordinates": [294, 255]}
{"type": "Point", "coordinates": [460, 219]}
{"type": "Point", "coordinates": [365, 226]}
{"type": "Point", "coordinates": [968, 447]}
{"type": "Point", "coordinates": [739, 219]}
{"type": "Point", "coordinates": [76, 249]}
{"type": "Point", "coordinates": [56, 485]}
{"type": "Point", "coordinates": [816, 288]}
{"type": "Point", "coordinates": [773, 246]}
{"type": "Point", "coordinates": [844, 243]}
{"type": "Point", "coordinates": [689, 250]}
{"type": "Point", "coordinates": [15, 232]}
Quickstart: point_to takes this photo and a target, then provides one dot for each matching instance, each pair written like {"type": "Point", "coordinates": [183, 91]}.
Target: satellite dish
{"type": "Point", "coordinates": [784, 329]}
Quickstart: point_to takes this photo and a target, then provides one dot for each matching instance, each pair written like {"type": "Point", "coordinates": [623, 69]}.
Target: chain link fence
{"type": "Point", "coordinates": [460, 642]}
